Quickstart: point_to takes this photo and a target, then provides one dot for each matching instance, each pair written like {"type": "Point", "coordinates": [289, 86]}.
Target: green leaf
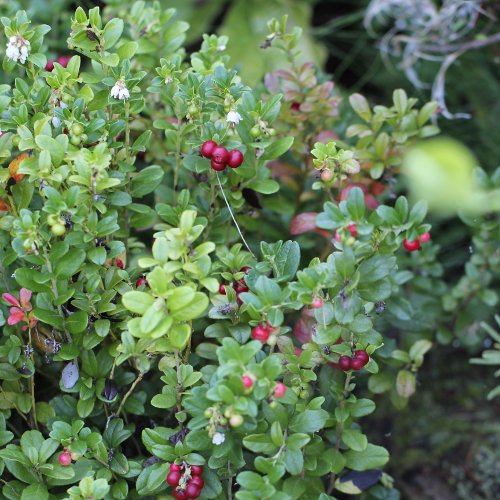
{"type": "Point", "coordinates": [70, 263]}
{"type": "Point", "coordinates": [309, 421]}
{"type": "Point", "coordinates": [287, 260]}
{"type": "Point", "coordinates": [400, 100]}
{"type": "Point", "coordinates": [370, 458]}
{"type": "Point", "coordinates": [360, 106]}
{"type": "Point", "coordinates": [267, 186]}
{"type": "Point", "coordinates": [405, 383]}
{"type": "Point", "coordinates": [137, 302]}
{"type": "Point", "coordinates": [354, 439]}
{"type": "Point", "coordinates": [277, 148]}
{"type": "Point", "coordinates": [356, 203]}
{"type": "Point", "coordinates": [35, 491]}
{"type": "Point", "coordinates": [50, 317]}
{"type": "Point", "coordinates": [112, 32]}
{"type": "Point", "coordinates": [146, 181]}
{"type": "Point", "coordinates": [259, 443]}
{"type": "Point", "coordinates": [77, 322]}
{"type": "Point", "coordinates": [152, 479]}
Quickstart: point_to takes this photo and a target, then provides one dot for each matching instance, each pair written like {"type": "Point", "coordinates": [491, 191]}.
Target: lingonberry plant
{"type": "Point", "coordinates": [164, 335]}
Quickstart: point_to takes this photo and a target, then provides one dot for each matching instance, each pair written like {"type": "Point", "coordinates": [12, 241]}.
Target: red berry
{"type": "Point", "coordinates": [64, 459]}
{"type": "Point", "coordinates": [235, 158]}
{"type": "Point", "coordinates": [240, 287]}
{"type": "Point", "coordinates": [238, 300]}
{"type": "Point", "coordinates": [344, 363]}
{"type": "Point", "coordinates": [207, 148]}
{"type": "Point", "coordinates": [363, 356]}
{"type": "Point", "coordinates": [424, 238]}
{"type": "Point", "coordinates": [260, 333]}
{"type": "Point", "coordinates": [352, 230]}
{"type": "Point", "coordinates": [180, 495]}
{"type": "Point", "coordinates": [411, 246]}
{"type": "Point", "coordinates": [198, 481]}
{"type": "Point", "coordinates": [357, 364]}
{"type": "Point", "coordinates": [49, 66]}
{"type": "Point", "coordinates": [141, 281]}
{"type": "Point", "coordinates": [175, 467]}
{"type": "Point", "coordinates": [119, 263]}
{"type": "Point", "coordinates": [196, 470]}
{"type": "Point", "coordinates": [63, 60]}
{"type": "Point", "coordinates": [173, 478]}
{"type": "Point", "coordinates": [247, 381]}
{"type": "Point", "coordinates": [295, 106]}
{"type": "Point", "coordinates": [222, 289]}
{"type": "Point", "coordinates": [220, 154]}
{"type": "Point", "coordinates": [219, 167]}
{"type": "Point", "coordinates": [279, 390]}
{"type": "Point", "coordinates": [192, 491]}
{"type": "Point", "coordinates": [245, 269]}
{"type": "Point", "coordinates": [317, 303]}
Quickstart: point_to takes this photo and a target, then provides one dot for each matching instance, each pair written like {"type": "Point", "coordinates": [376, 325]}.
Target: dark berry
{"type": "Point", "coordinates": [49, 66]}
{"type": "Point", "coordinates": [235, 158]}
{"type": "Point", "coordinates": [196, 470]}
{"type": "Point", "coordinates": [238, 300]}
{"type": "Point", "coordinates": [173, 478]}
{"type": "Point", "coordinates": [245, 269]}
{"type": "Point", "coordinates": [198, 481]}
{"type": "Point", "coordinates": [175, 467]}
{"type": "Point", "coordinates": [344, 363]}
{"type": "Point", "coordinates": [411, 246]}
{"type": "Point", "coordinates": [220, 155]}
{"type": "Point", "coordinates": [207, 148]}
{"type": "Point", "coordinates": [357, 364]}
{"type": "Point", "coordinates": [192, 491]}
{"type": "Point", "coordinates": [260, 333]}
{"type": "Point", "coordinates": [141, 281]}
{"type": "Point", "coordinates": [180, 495]}
{"type": "Point", "coordinates": [295, 106]}
{"type": "Point", "coordinates": [240, 287]}
{"type": "Point", "coordinates": [63, 60]}
{"type": "Point", "coordinates": [222, 289]}
{"type": "Point", "coordinates": [363, 356]}
{"type": "Point", "coordinates": [219, 167]}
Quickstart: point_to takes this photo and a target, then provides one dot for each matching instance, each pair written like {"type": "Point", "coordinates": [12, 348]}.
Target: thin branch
{"type": "Point", "coordinates": [232, 216]}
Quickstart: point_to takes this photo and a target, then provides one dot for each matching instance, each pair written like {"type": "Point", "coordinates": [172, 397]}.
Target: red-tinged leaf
{"type": "Point", "coordinates": [8, 297]}
{"type": "Point", "coordinates": [303, 223]}
{"type": "Point", "coordinates": [302, 329]}
{"type": "Point", "coordinates": [25, 297]}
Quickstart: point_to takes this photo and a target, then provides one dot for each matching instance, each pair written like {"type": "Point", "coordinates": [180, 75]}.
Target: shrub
{"type": "Point", "coordinates": [151, 344]}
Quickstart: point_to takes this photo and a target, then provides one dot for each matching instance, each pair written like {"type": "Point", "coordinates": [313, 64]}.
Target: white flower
{"type": "Point", "coordinates": [221, 47]}
{"type": "Point", "coordinates": [17, 49]}
{"type": "Point", "coordinates": [218, 438]}
{"type": "Point", "coordinates": [120, 91]}
{"type": "Point", "coordinates": [233, 117]}
{"type": "Point", "coordinates": [55, 121]}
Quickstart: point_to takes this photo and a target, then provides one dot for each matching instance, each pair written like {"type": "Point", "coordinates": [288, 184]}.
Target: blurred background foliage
{"type": "Point", "coordinates": [446, 440]}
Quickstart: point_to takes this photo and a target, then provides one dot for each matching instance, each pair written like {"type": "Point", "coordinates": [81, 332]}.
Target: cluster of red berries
{"type": "Point", "coordinates": [186, 480]}
{"type": "Point", "coordinates": [414, 245]}
{"type": "Point", "coordinates": [355, 363]}
{"type": "Point", "coordinates": [65, 457]}
{"type": "Point", "coordinates": [220, 157]}
{"type": "Point", "coordinates": [62, 60]}
{"type": "Point", "coordinates": [239, 286]}
{"type": "Point", "coordinates": [262, 332]}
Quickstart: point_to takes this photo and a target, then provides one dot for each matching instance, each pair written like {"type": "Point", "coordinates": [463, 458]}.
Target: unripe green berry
{"type": "Point", "coordinates": [75, 140]}
{"type": "Point", "coordinates": [236, 420]}
{"type": "Point", "coordinates": [255, 131]}
{"type": "Point", "coordinates": [58, 229]}
{"type": "Point", "coordinates": [77, 129]}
